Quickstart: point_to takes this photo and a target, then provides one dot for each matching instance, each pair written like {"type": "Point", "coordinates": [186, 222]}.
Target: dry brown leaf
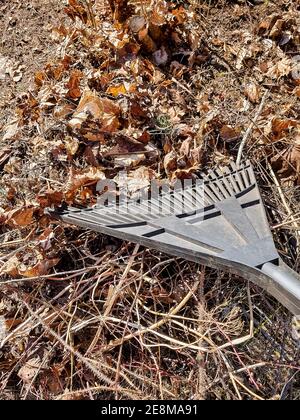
{"type": "Point", "coordinates": [197, 156]}
{"type": "Point", "coordinates": [147, 42]}
{"type": "Point", "coordinates": [229, 134]}
{"type": "Point", "coordinates": [185, 148]}
{"type": "Point", "coordinates": [180, 15]}
{"type": "Point", "coordinates": [277, 29]}
{"type": "Point", "coordinates": [117, 90]}
{"type": "Point", "coordinates": [71, 145]}
{"type": "Point", "coordinates": [16, 268]}
{"type": "Point", "coordinates": [280, 69]}
{"type": "Point", "coordinates": [76, 10]}
{"type": "Point", "coordinates": [81, 179]}
{"type": "Point", "coordinates": [170, 161]}
{"type": "Point", "coordinates": [185, 173]}
{"type": "Point", "coordinates": [20, 217]}
{"type": "Point", "coordinates": [50, 198]}
{"type": "Point", "coordinates": [161, 57]}
{"type": "Point", "coordinates": [137, 180]}
{"type": "Point", "coordinates": [121, 10]}
{"type": "Point", "coordinates": [252, 91]}
{"type": "Point", "coordinates": [279, 125]}
{"type": "Point", "coordinates": [102, 109]}
{"type": "Point", "coordinates": [73, 85]}
{"type": "Point", "coordinates": [128, 161]}
{"type": "Point", "coordinates": [40, 269]}
{"type": "Point", "coordinates": [40, 78]}
{"type": "Point", "coordinates": [121, 89]}
{"type": "Point", "coordinates": [288, 163]}
{"type": "Point", "coordinates": [11, 130]}
{"type": "Point", "coordinates": [29, 370]}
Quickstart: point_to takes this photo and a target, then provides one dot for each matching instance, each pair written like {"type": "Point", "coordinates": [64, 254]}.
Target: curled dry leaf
{"type": "Point", "coordinates": [40, 269]}
{"type": "Point", "coordinates": [121, 89]}
{"type": "Point", "coordinates": [11, 130]}
{"type": "Point", "coordinates": [185, 148]}
{"type": "Point", "coordinates": [137, 180]}
{"type": "Point", "coordinates": [170, 162]}
{"type": "Point", "coordinates": [20, 217]}
{"type": "Point", "coordinates": [252, 92]}
{"type": "Point", "coordinates": [76, 10]}
{"type": "Point", "coordinates": [15, 268]}
{"type": "Point", "coordinates": [31, 368]}
{"type": "Point", "coordinates": [288, 163]}
{"type": "Point", "coordinates": [281, 69]}
{"type": "Point", "coordinates": [81, 179]}
{"type": "Point", "coordinates": [280, 125]}
{"type": "Point", "coordinates": [3, 328]}
{"type": "Point", "coordinates": [128, 161]}
{"type": "Point", "coordinates": [140, 28]}
{"type": "Point", "coordinates": [229, 134]}
{"type": "Point", "coordinates": [185, 173]}
{"type": "Point", "coordinates": [101, 109]}
{"type": "Point", "coordinates": [161, 57]}
{"type": "Point", "coordinates": [50, 198]}
{"type": "Point", "coordinates": [73, 85]}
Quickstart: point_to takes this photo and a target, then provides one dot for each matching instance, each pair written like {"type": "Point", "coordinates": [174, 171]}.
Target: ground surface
{"type": "Point", "coordinates": [26, 41]}
{"type": "Point", "coordinates": [166, 95]}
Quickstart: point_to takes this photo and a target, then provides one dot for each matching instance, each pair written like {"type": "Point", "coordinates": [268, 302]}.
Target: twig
{"type": "Point", "coordinates": [250, 128]}
{"type": "Point", "coordinates": [290, 215]}
{"type": "Point", "coordinates": [112, 298]}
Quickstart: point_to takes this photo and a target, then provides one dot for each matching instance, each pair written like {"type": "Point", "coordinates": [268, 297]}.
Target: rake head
{"type": "Point", "coordinates": [220, 223]}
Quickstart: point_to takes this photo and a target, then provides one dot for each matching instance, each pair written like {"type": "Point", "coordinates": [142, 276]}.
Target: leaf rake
{"type": "Point", "coordinates": [220, 223]}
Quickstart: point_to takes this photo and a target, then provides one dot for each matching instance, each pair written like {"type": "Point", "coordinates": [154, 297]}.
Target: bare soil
{"type": "Point", "coordinates": [25, 40]}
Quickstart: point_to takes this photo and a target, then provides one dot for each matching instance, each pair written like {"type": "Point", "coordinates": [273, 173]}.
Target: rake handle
{"type": "Point", "coordinates": [288, 281]}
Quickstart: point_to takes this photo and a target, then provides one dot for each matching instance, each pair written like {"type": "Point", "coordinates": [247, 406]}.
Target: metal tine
{"type": "Point", "coordinates": [222, 187]}
{"type": "Point", "coordinates": [122, 211]}
{"type": "Point", "coordinates": [226, 182]}
{"type": "Point", "coordinates": [153, 205]}
{"type": "Point", "coordinates": [230, 182]}
{"type": "Point", "coordinates": [163, 201]}
{"type": "Point", "coordinates": [233, 165]}
{"type": "Point", "coordinates": [211, 175]}
{"type": "Point", "coordinates": [220, 183]}
{"type": "Point", "coordinates": [135, 209]}
{"type": "Point", "coordinates": [224, 179]}
{"type": "Point", "coordinates": [212, 182]}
